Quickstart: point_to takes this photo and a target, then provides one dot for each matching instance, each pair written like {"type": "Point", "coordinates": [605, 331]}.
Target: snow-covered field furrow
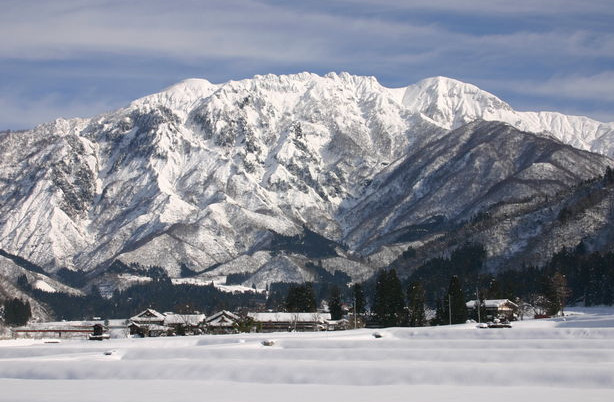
{"type": "Point", "coordinates": [559, 360]}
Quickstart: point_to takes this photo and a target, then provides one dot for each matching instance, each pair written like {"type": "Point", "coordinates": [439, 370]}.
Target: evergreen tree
{"type": "Point", "coordinates": [17, 312]}
{"type": "Point", "coordinates": [301, 298]}
{"type": "Point", "coordinates": [494, 290]}
{"type": "Point", "coordinates": [276, 296]}
{"type": "Point", "coordinates": [466, 262]}
{"type": "Point", "coordinates": [158, 275]}
{"type": "Point", "coordinates": [388, 303]}
{"type": "Point", "coordinates": [359, 298]}
{"type": "Point", "coordinates": [22, 282]}
{"type": "Point", "coordinates": [185, 271]}
{"type": "Point", "coordinates": [441, 314]}
{"type": "Point", "coordinates": [479, 311]}
{"type": "Point", "coordinates": [334, 303]}
{"type": "Point", "coordinates": [415, 304]}
{"type": "Point", "coordinates": [455, 303]}
{"type": "Point", "coordinates": [95, 292]}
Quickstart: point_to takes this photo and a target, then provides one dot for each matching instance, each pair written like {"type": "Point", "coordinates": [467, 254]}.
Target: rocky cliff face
{"type": "Point", "coordinates": [212, 176]}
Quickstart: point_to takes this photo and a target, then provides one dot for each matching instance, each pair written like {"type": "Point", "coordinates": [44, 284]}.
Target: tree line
{"type": "Point", "coordinates": [160, 294]}
{"type": "Point", "coordinates": [442, 284]}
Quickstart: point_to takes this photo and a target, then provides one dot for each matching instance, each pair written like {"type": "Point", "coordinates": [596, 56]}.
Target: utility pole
{"type": "Point", "coordinates": [449, 310]}
{"type": "Point", "coordinates": [479, 305]}
{"type": "Point", "coordinates": [355, 325]}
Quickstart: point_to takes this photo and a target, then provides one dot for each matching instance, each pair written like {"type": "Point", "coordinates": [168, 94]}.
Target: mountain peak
{"type": "Point", "coordinates": [451, 103]}
{"type": "Point", "coordinates": [179, 97]}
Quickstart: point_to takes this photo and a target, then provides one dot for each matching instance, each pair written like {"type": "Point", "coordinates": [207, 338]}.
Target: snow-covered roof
{"type": "Point", "coordinates": [341, 321]}
{"type": "Point", "coordinates": [493, 303]}
{"type": "Point", "coordinates": [222, 319]}
{"type": "Point", "coordinates": [155, 327]}
{"type": "Point", "coordinates": [188, 319]}
{"type": "Point", "coordinates": [289, 317]}
{"type": "Point", "coordinates": [149, 315]}
{"type": "Point", "coordinates": [223, 313]}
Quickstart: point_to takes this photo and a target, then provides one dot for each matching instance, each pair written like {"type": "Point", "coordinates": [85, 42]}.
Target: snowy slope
{"type": "Point", "coordinates": [451, 104]}
{"type": "Point", "coordinates": [204, 174]}
{"type": "Point", "coordinates": [472, 169]}
{"type": "Point", "coordinates": [9, 272]}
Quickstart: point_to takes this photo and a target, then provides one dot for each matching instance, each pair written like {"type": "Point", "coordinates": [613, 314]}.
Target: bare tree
{"type": "Point", "coordinates": [558, 291]}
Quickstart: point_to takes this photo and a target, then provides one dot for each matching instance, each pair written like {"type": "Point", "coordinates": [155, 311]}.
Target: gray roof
{"type": "Point", "coordinates": [289, 317]}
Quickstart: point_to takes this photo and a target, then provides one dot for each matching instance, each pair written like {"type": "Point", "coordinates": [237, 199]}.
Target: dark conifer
{"type": "Point", "coordinates": [415, 304]}
{"type": "Point", "coordinates": [455, 302]}
{"type": "Point", "coordinates": [441, 313]}
{"type": "Point", "coordinates": [22, 282]}
{"type": "Point", "coordinates": [301, 298]}
{"type": "Point", "coordinates": [388, 303]}
{"type": "Point", "coordinates": [359, 299]}
{"type": "Point", "coordinates": [17, 312]}
{"type": "Point", "coordinates": [334, 303]}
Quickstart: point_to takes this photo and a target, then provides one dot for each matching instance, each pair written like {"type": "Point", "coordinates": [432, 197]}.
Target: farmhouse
{"type": "Point", "coordinates": [149, 329]}
{"type": "Point", "coordinates": [152, 323]}
{"type": "Point", "coordinates": [148, 317]}
{"type": "Point", "coordinates": [184, 323]}
{"type": "Point", "coordinates": [275, 322]}
{"type": "Point", "coordinates": [148, 323]}
{"type": "Point", "coordinates": [223, 322]}
{"type": "Point", "coordinates": [502, 308]}
{"type": "Point", "coordinates": [338, 325]}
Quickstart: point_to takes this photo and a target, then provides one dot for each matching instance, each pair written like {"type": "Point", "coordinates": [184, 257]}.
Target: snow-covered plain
{"type": "Point", "coordinates": [569, 359]}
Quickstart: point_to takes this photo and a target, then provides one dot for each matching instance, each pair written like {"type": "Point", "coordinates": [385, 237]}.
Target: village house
{"type": "Point", "coordinates": [223, 322]}
{"type": "Point", "coordinates": [184, 324]}
{"type": "Point", "coordinates": [149, 330]}
{"type": "Point", "coordinates": [338, 325]}
{"type": "Point", "coordinates": [151, 323]}
{"type": "Point", "coordinates": [149, 316]}
{"type": "Point", "coordinates": [280, 322]}
{"type": "Point", "coordinates": [495, 308]}
{"type": "Point", "coordinates": [148, 323]}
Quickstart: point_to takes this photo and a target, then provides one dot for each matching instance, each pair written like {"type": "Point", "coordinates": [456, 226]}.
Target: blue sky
{"type": "Point", "coordinates": [79, 58]}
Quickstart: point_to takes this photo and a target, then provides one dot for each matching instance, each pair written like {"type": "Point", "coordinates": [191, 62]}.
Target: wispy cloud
{"type": "Point", "coordinates": [598, 86]}
{"type": "Point", "coordinates": [518, 7]}
{"type": "Point", "coordinates": [65, 28]}
{"type": "Point", "coordinates": [246, 29]}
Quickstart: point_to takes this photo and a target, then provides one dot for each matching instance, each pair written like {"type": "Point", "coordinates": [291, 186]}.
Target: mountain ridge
{"type": "Point", "coordinates": [202, 174]}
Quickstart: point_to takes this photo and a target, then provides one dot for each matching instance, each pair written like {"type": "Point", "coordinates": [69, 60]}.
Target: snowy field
{"type": "Point", "coordinates": [536, 360]}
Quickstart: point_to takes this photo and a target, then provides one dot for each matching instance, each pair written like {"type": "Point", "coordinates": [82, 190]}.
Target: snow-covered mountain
{"type": "Point", "coordinates": [213, 176]}
{"type": "Point", "coordinates": [451, 104]}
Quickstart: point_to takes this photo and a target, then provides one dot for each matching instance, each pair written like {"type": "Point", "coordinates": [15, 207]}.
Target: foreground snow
{"type": "Point", "coordinates": [563, 360]}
